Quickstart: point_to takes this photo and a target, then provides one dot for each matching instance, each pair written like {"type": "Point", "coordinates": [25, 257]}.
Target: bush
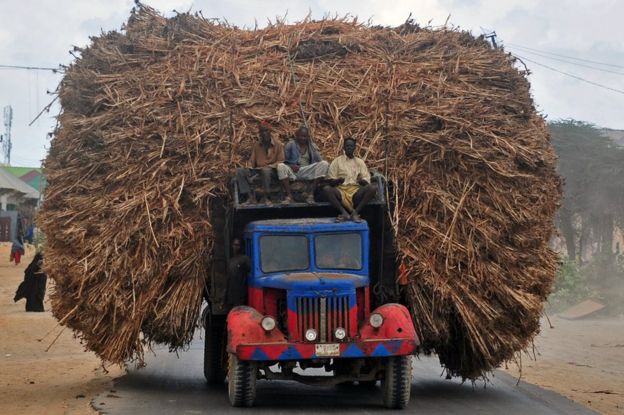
{"type": "Point", "coordinates": [571, 286]}
{"type": "Point", "coordinates": [600, 279]}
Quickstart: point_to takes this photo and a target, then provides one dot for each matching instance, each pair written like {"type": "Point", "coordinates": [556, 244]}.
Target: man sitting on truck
{"type": "Point", "coordinates": [266, 154]}
{"type": "Point", "coordinates": [349, 188]}
{"type": "Point", "coordinates": [303, 162]}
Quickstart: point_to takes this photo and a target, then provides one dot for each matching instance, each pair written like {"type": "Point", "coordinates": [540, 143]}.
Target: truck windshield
{"type": "Point", "coordinates": [283, 253]}
{"type": "Point", "coordinates": [339, 251]}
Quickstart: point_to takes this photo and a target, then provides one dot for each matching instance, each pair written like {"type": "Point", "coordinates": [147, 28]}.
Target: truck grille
{"type": "Point", "coordinates": [324, 314]}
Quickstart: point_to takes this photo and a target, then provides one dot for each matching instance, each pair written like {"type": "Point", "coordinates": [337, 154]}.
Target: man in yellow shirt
{"type": "Point", "coordinates": [349, 188]}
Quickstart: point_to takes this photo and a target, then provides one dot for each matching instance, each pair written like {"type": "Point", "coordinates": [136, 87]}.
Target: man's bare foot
{"type": "Point", "coordinates": [343, 217]}
{"type": "Point", "coordinates": [251, 200]}
{"type": "Point", "coordinates": [355, 217]}
{"type": "Point", "coordinates": [266, 201]}
{"type": "Point", "coordinates": [310, 199]}
{"type": "Point", "coordinates": [287, 200]}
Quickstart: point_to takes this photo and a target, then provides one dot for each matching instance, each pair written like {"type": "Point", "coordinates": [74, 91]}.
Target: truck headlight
{"type": "Point", "coordinates": [340, 333]}
{"type": "Point", "coordinates": [311, 335]}
{"type": "Point", "coordinates": [376, 320]}
{"type": "Point", "coordinates": [268, 323]}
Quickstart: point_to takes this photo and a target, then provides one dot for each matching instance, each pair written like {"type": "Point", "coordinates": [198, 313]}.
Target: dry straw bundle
{"type": "Point", "coordinates": [153, 119]}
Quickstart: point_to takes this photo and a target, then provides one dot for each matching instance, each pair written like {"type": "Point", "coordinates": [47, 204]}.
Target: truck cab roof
{"type": "Point", "coordinates": [304, 225]}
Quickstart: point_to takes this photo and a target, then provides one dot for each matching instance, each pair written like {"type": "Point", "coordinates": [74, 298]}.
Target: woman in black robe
{"type": "Point", "coordinates": [34, 285]}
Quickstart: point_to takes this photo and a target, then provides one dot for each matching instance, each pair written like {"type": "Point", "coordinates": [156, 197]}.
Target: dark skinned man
{"type": "Point", "coordinates": [266, 154]}
{"type": "Point", "coordinates": [349, 188]}
{"type": "Point", "coordinates": [303, 162]}
{"type": "Point", "coordinates": [239, 267]}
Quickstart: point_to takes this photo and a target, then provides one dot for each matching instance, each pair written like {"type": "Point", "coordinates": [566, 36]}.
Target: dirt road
{"type": "Point", "coordinates": [61, 380]}
{"type": "Point", "coordinates": [582, 360]}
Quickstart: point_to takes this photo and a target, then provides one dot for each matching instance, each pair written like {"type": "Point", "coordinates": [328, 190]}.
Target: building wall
{"type": "Point", "coordinates": [9, 199]}
{"type": "Point", "coordinates": [11, 217]}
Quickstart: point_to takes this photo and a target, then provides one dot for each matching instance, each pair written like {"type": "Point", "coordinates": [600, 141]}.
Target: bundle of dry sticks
{"type": "Point", "coordinates": [154, 116]}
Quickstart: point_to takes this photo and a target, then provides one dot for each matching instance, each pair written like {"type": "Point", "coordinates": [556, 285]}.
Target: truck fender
{"type": "Point", "coordinates": [397, 323]}
{"type": "Point", "coordinates": [244, 327]}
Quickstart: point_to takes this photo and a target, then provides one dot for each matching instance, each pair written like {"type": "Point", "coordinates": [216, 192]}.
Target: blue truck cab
{"type": "Point", "coordinates": [309, 306]}
{"type": "Point", "coordinates": [287, 247]}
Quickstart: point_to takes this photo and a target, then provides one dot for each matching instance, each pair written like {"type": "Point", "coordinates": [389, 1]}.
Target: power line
{"type": "Point", "coordinates": [571, 63]}
{"type": "Point", "coordinates": [570, 75]}
{"type": "Point", "coordinates": [566, 56]}
{"type": "Point", "coordinates": [32, 68]}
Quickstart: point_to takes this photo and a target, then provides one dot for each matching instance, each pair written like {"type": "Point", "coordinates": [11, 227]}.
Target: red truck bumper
{"type": "Point", "coordinates": [304, 351]}
{"type": "Point", "coordinates": [247, 339]}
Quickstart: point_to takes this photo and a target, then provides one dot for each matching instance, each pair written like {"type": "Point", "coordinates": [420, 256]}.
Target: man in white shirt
{"type": "Point", "coordinates": [303, 162]}
{"type": "Point", "coordinates": [349, 188]}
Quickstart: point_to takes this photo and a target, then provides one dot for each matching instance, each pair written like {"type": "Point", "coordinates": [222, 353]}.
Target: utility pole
{"type": "Point", "coordinates": [6, 138]}
{"type": "Point", "coordinates": [492, 37]}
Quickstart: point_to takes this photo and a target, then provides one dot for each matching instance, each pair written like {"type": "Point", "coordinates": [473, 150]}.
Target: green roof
{"type": "Point", "coordinates": [20, 171]}
{"type": "Point", "coordinates": [37, 181]}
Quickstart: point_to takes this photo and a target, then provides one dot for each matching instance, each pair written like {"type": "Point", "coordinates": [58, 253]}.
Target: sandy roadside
{"type": "Point", "coordinates": [61, 380]}
{"type": "Point", "coordinates": [582, 360]}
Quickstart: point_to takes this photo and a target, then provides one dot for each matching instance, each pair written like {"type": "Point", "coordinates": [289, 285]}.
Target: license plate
{"type": "Point", "coordinates": [326, 350]}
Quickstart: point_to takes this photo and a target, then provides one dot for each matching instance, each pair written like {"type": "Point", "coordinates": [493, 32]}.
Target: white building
{"type": "Point", "coordinates": [18, 201]}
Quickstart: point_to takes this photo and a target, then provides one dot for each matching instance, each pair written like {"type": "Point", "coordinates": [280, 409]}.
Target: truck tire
{"type": "Point", "coordinates": [397, 382]}
{"type": "Point", "coordinates": [241, 382]}
{"type": "Point", "coordinates": [214, 350]}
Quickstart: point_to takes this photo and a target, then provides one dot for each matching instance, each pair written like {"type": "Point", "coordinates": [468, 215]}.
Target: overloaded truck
{"type": "Point", "coordinates": [320, 294]}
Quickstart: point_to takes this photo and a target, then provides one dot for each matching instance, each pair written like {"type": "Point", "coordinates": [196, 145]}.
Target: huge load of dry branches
{"type": "Point", "coordinates": [153, 116]}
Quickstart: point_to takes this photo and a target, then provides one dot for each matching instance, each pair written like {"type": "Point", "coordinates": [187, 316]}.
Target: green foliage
{"type": "Point", "coordinates": [40, 241]}
{"type": "Point", "coordinates": [605, 275]}
{"type": "Point", "coordinates": [592, 166]}
{"type": "Point", "coordinates": [571, 286]}
{"type": "Point", "coordinates": [600, 279]}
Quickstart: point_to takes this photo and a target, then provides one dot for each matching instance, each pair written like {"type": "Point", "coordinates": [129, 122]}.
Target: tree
{"type": "Point", "coordinates": [592, 166]}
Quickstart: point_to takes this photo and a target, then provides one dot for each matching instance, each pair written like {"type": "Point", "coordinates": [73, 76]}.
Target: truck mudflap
{"type": "Point", "coordinates": [249, 341]}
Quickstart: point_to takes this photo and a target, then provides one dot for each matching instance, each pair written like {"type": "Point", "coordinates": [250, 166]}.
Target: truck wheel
{"type": "Point", "coordinates": [397, 383]}
{"type": "Point", "coordinates": [241, 382]}
{"type": "Point", "coordinates": [214, 350]}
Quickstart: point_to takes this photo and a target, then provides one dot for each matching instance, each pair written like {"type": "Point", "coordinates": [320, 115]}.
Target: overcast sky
{"type": "Point", "coordinates": [40, 33]}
